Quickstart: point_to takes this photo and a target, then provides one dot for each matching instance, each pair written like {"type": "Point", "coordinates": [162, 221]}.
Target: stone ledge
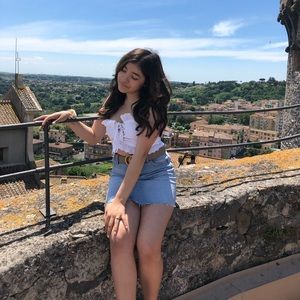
{"type": "Point", "coordinates": [212, 235]}
{"type": "Point", "coordinates": [206, 176]}
{"type": "Point", "coordinates": [234, 215]}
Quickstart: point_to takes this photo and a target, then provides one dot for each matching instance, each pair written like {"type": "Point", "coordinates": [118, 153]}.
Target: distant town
{"type": "Point", "coordinates": [86, 94]}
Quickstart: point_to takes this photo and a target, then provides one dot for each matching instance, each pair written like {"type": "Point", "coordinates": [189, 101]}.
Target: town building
{"type": "Point", "coordinates": [264, 121]}
{"type": "Point", "coordinates": [269, 103]}
{"type": "Point", "coordinates": [182, 139]}
{"type": "Point", "coordinates": [168, 137]}
{"type": "Point", "coordinates": [57, 135]}
{"type": "Point", "coordinates": [239, 132]}
{"type": "Point", "coordinates": [263, 135]}
{"type": "Point", "coordinates": [204, 138]}
{"type": "Point", "coordinates": [38, 146]}
{"type": "Point", "coordinates": [196, 124]}
{"type": "Point", "coordinates": [60, 151]}
{"type": "Point", "coordinates": [19, 105]}
{"type": "Point", "coordinates": [97, 151]}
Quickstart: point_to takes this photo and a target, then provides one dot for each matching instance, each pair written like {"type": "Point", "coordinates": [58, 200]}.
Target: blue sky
{"type": "Point", "coordinates": [198, 40]}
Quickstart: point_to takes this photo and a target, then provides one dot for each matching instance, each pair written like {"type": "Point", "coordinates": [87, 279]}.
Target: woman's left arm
{"type": "Point", "coordinates": [116, 209]}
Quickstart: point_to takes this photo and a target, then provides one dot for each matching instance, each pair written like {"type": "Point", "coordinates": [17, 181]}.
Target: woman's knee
{"type": "Point", "coordinates": [147, 249]}
{"type": "Point", "coordinates": [121, 241]}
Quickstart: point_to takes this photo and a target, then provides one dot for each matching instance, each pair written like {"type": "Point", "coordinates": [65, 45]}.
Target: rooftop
{"type": "Point", "coordinates": [7, 114]}
{"type": "Point", "coordinates": [28, 98]}
{"type": "Point", "coordinates": [208, 174]}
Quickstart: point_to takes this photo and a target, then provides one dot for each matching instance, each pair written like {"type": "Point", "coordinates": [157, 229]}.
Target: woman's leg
{"type": "Point", "coordinates": [153, 223]}
{"type": "Point", "coordinates": [122, 259]}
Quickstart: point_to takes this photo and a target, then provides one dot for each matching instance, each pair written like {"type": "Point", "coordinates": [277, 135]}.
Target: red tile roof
{"type": "Point", "coordinates": [17, 187]}
{"type": "Point", "coordinates": [14, 187]}
{"type": "Point", "coordinates": [60, 145]}
{"type": "Point", "coordinates": [28, 98]}
{"type": "Point", "coordinates": [7, 114]}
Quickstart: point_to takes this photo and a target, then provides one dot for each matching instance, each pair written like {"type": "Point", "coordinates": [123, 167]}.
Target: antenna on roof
{"type": "Point", "coordinates": [17, 58]}
{"type": "Point", "coordinates": [18, 80]}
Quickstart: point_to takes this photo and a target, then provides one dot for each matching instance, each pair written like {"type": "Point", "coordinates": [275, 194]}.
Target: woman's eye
{"type": "Point", "coordinates": [134, 78]}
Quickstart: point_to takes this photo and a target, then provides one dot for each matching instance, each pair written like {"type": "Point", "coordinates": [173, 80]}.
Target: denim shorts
{"type": "Point", "coordinates": [155, 185]}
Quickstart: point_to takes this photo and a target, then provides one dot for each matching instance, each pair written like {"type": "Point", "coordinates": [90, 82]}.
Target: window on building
{"type": "Point", "coordinates": [3, 155]}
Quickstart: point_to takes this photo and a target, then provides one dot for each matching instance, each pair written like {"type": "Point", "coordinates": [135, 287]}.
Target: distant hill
{"type": "Point", "coordinates": [86, 94]}
{"type": "Point", "coordinates": [218, 92]}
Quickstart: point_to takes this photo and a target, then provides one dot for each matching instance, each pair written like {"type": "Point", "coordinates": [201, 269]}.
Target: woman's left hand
{"type": "Point", "coordinates": [114, 215]}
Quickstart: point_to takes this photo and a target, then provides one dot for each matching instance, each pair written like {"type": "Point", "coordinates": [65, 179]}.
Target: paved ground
{"type": "Point", "coordinates": [276, 280]}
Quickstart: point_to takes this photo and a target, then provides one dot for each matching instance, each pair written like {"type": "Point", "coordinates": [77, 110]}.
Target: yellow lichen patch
{"type": "Point", "coordinates": [12, 218]}
{"type": "Point", "coordinates": [94, 182]}
{"type": "Point", "coordinates": [71, 204]}
{"type": "Point", "coordinates": [76, 194]}
{"type": "Point", "coordinates": [13, 221]}
{"type": "Point", "coordinates": [2, 205]}
{"type": "Point", "coordinates": [218, 171]}
{"type": "Point", "coordinates": [283, 159]}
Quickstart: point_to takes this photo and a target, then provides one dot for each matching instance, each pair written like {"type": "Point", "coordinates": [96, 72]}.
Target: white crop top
{"type": "Point", "coordinates": [123, 134]}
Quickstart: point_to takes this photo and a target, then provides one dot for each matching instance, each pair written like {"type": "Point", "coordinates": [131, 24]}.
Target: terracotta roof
{"type": "Point", "coordinates": [261, 130]}
{"type": "Point", "coordinates": [7, 114]}
{"type": "Point", "coordinates": [17, 187]}
{"type": "Point", "coordinates": [183, 136]}
{"type": "Point", "coordinates": [203, 133]}
{"type": "Point", "coordinates": [37, 141]}
{"type": "Point", "coordinates": [14, 187]}
{"type": "Point", "coordinates": [60, 145]}
{"type": "Point", "coordinates": [212, 134]}
{"type": "Point", "coordinates": [41, 163]}
{"type": "Point", "coordinates": [28, 98]}
{"type": "Point", "coordinates": [224, 136]}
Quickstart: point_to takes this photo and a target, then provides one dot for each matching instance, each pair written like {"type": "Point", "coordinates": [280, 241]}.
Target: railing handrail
{"type": "Point", "coordinates": [49, 168]}
{"type": "Point", "coordinates": [224, 112]}
{"type": "Point", "coordinates": [53, 168]}
{"type": "Point", "coordinates": [201, 112]}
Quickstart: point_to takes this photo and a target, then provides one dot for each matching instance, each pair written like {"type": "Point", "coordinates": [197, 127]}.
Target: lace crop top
{"type": "Point", "coordinates": [123, 134]}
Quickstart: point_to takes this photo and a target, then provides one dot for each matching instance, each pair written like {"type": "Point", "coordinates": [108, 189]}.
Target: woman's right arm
{"type": "Point", "coordinates": [92, 135]}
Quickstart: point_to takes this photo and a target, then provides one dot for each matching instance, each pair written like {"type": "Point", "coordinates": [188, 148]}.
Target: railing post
{"type": "Point", "coordinates": [47, 212]}
{"type": "Point", "coordinates": [47, 174]}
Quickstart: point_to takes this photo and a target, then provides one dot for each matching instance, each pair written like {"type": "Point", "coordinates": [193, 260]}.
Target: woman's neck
{"type": "Point", "coordinates": [129, 100]}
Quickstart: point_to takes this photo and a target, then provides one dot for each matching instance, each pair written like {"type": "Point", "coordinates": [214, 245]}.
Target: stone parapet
{"type": "Point", "coordinates": [223, 225]}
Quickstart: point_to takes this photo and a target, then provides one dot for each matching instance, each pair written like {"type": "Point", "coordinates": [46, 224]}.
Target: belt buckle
{"type": "Point", "coordinates": [127, 159]}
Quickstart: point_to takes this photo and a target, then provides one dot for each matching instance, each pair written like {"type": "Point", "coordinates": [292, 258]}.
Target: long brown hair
{"type": "Point", "coordinates": [154, 95]}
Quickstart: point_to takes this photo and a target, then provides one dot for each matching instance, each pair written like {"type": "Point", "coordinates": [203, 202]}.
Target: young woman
{"type": "Point", "coordinates": [141, 191]}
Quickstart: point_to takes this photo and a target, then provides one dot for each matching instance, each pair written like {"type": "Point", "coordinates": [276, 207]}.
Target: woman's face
{"type": "Point", "coordinates": [130, 80]}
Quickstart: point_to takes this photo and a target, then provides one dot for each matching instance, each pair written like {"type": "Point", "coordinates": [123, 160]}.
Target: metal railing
{"type": "Point", "coordinates": [48, 212]}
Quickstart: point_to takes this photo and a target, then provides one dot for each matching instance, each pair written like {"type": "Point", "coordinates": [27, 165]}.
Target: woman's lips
{"type": "Point", "coordinates": [122, 86]}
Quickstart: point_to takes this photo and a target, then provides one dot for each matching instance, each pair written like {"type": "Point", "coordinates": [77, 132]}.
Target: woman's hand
{"type": "Point", "coordinates": [114, 214]}
{"type": "Point", "coordinates": [57, 117]}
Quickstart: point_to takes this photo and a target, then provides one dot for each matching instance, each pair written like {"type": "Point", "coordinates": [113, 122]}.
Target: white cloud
{"type": "Point", "coordinates": [40, 28]}
{"type": "Point", "coordinates": [167, 47]}
{"type": "Point", "coordinates": [7, 58]}
{"type": "Point", "coordinates": [275, 45]}
{"type": "Point", "coordinates": [54, 28]}
{"type": "Point", "coordinates": [113, 47]}
{"type": "Point", "coordinates": [226, 28]}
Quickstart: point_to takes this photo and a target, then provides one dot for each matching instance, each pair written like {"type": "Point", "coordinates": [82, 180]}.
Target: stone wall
{"type": "Point", "coordinates": [289, 17]}
{"type": "Point", "coordinates": [218, 230]}
{"type": "Point", "coordinates": [291, 124]}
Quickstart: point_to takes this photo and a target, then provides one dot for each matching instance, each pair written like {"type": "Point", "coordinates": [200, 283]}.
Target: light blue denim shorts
{"type": "Point", "coordinates": [155, 185]}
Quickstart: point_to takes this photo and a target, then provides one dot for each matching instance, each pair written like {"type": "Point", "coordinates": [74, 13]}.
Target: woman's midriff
{"type": "Point", "coordinates": [123, 153]}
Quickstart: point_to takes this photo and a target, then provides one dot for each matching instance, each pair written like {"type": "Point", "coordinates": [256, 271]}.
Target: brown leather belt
{"type": "Point", "coordinates": [125, 159]}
